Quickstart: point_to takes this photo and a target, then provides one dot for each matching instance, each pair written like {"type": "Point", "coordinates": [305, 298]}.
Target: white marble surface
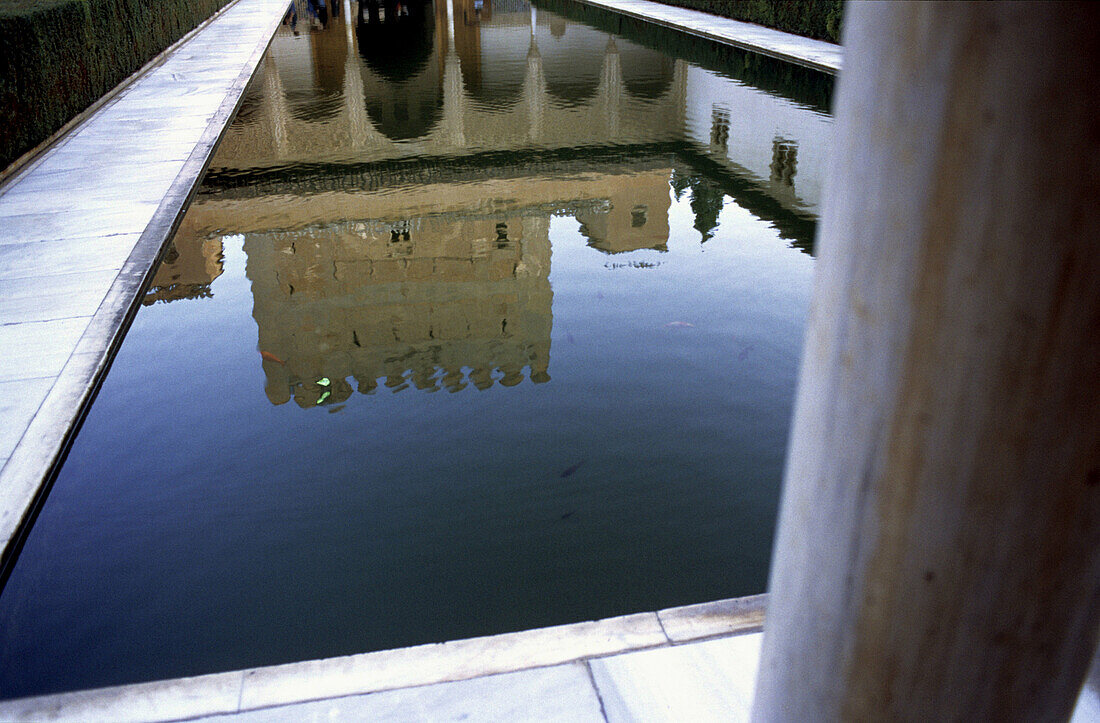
{"type": "Point", "coordinates": [444, 662]}
{"type": "Point", "coordinates": [71, 219]}
{"type": "Point", "coordinates": [181, 698]}
{"type": "Point", "coordinates": [562, 693]}
{"type": "Point", "coordinates": [711, 619]}
{"type": "Point", "coordinates": [496, 678]}
{"type": "Point", "coordinates": [817, 54]}
{"type": "Point", "coordinates": [706, 681]}
{"type": "Point", "coordinates": [556, 683]}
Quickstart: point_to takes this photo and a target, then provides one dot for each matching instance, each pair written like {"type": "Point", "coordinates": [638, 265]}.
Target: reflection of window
{"type": "Point", "coordinates": [638, 215]}
{"type": "Point", "coordinates": [784, 161]}
{"type": "Point", "coordinates": [719, 127]}
{"type": "Point", "coordinates": [400, 240]}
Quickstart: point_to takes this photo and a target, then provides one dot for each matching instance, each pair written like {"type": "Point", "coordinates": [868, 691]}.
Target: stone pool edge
{"type": "Point", "coordinates": [365, 673]}
{"type": "Point", "coordinates": [817, 55]}
{"type": "Point", "coordinates": [28, 472]}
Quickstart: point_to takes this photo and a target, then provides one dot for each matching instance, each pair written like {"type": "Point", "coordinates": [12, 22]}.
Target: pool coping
{"type": "Point", "coordinates": [275, 686]}
{"type": "Point", "coordinates": [26, 475]}
{"type": "Point", "coordinates": [815, 54]}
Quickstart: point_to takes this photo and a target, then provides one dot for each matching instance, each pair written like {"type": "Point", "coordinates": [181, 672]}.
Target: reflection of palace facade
{"type": "Point", "coordinates": [452, 84]}
{"type": "Point", "coordinates": [394, 179]}
{"type": "Point", "coordinates": [441, 287]}
{"type": "Point", "coordinates": [455, 80]}
{"type": "Point", "coordinates": [435, 302]}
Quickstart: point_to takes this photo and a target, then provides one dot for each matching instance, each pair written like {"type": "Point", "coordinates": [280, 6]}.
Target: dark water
{"type": "Point", "coordinates": [485, 319]}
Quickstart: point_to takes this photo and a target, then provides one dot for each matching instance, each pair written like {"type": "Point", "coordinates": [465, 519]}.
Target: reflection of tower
{"type": "Point", "coordinates": [635, 215]}
{"type": "Point", "coordinates": [611, 87]}
{"type": "Point", "coordinates": [190, 264]}
{"type": "Point", "coordinates": [449, 293]}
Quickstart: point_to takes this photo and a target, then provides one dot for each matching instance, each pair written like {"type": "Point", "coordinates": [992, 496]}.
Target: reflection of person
{"type": "Point", "coordinates": [291, 17]}
{"type": "Point", "coordinates": [319, 10]}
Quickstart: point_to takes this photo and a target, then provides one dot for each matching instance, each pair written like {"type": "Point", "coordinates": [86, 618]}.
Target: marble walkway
{"type": "Point", "coordinates": [816, 54]}
{"type": "Point", "coordinates": [81, 227]}
{"type": "Point", "coordinates": [694, 663]}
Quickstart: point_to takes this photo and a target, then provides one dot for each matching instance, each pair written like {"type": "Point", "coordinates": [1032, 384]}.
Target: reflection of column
{"type": "Point", "coordinates": [275, 110]}
{"type": "Point", "coordinates": [611, 87]}
{"type": "Point", "coordinates": [362, 132]}
{"type": "Point", "coordinates": [450, 24]}
{"type": "Point", "coordinates": [679, 94]}
{"type": "Point", "coordinates": [534, 90]}
{"type": "Point", "coordinates": [454, 102]}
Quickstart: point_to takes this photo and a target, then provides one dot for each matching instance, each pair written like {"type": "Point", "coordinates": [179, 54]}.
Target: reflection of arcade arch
{"type": "Point", "coordinates": [572, 63]}
{"type": "Point", "coordinates": [646, 74]}
{"type": "Point", "coordinates": [434, 112]}
{"type": "Point", "coordinates": [489, 76]}
{"type": "Point", "coordinates": [318, 95]}
{"type": "Point", "coordinates": [402, 80]}
{"type": "Point", "coordinates": [507, 40]}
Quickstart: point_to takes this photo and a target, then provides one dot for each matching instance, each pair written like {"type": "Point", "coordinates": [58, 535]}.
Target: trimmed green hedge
{"type": "Point", "coordinates": [57, 57]}
{"type": "Point", "coordinates": [818, 19]}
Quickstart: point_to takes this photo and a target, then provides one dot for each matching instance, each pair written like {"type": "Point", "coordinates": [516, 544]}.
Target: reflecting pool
{"type": "Point", "coordinates": [485, 318]}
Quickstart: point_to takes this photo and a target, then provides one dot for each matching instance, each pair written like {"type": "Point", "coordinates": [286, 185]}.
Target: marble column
{"type": "Point", "coordinates": [938, 553]}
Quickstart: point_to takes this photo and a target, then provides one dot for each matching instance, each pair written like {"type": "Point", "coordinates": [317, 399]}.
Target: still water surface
{"type": "Point", "coordinates": [483, 320]}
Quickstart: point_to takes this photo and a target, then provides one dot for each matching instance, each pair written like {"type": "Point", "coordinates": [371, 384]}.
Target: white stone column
{"type": "Point", "coordinates": [938, 554]}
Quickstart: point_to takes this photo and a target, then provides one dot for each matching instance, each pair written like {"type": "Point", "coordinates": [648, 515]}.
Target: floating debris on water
{"type": "Point", "coordinates": [570, 470]}
{"type": "Point", "coordinates": [271, 357]}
